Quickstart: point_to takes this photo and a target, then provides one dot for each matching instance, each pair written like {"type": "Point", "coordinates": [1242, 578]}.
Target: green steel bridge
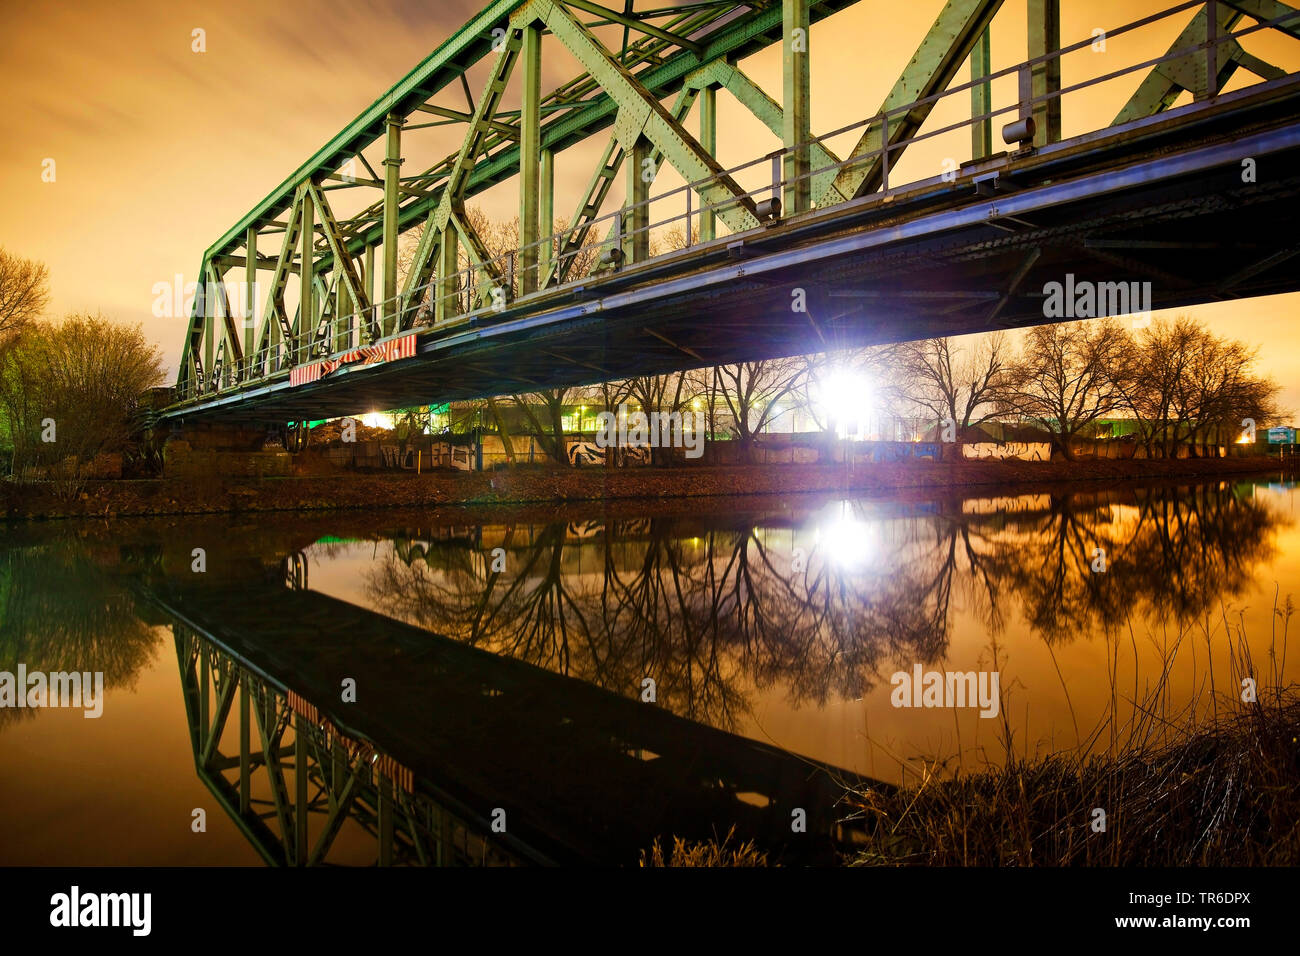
{"type": "Point", "coordinates": [382, 291]}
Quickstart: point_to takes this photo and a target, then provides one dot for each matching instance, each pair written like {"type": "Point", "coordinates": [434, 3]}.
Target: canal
{"type": "Point", "coordinates": [562, 684]}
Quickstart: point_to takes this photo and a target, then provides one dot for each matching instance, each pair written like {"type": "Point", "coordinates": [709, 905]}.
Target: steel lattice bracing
{"type": "Point", "coordinates": [442, 733]}
{"type": "Point", "coordinates": [867, 241]}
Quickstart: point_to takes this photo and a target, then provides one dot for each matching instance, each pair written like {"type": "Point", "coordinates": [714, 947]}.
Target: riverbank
{"type": "Point", "coordinates": [216, 495]}
{"type": "Point", "coordinates": [1226, 795]}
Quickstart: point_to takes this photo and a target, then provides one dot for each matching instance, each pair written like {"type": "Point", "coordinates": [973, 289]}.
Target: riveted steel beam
{"type": "Point", "coordinates": [392, 185]}
{"type": "Point", "coordinates": [530, 158]}
{"type": "Point", "coordinates": [709, 140]}
{"type": "Point", "coordinates": [981, 98]}
{"type": "Point", "coordinates": [306, 278]}
{"type": "Point", "coordinates": [941, 53]}
{"type": "Point", "coordinates": [1167, 80]}
{"type": "Point", "coordinates": [641, 114]}
{"type": "Point", "coordinates": [1044, 18]}
{"type": "Point", "coordinates": [796, 129]}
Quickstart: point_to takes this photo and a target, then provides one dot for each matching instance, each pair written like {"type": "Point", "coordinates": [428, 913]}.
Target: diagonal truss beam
{"type": "Point", "coordinates": [640, 114]}
{"type": "Point", "coordinates": [768, 111]}
{"type": "Point", "coordinates": [936, 61]}
{"type": "Point", "coordinates": [1166, 81]}
{"type": "Point", "coordinates": [343, 262]}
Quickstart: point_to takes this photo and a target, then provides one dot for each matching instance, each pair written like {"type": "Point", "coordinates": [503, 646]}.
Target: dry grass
{"type": "Point", "coordinates": [706, 853]}
{"type": "Point", "coordinates": [1215, 785]}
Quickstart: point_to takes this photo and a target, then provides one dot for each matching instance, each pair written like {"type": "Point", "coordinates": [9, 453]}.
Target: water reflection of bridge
{"type": "Point", "coordinates": [473, 699]}
{"type": "Point", "coordinates": [441, 735]}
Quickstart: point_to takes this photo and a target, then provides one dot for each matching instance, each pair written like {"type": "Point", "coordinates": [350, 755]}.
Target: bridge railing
{"type": "Point", "coordinates": [566, 257]}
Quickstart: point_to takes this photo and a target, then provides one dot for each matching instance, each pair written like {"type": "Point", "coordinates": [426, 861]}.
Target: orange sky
{"type": "Point", "coordinates": [159, 149]}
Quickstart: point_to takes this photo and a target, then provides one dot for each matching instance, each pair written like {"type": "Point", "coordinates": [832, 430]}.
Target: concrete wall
{"type": "Point", "coordinates": [181, 460]}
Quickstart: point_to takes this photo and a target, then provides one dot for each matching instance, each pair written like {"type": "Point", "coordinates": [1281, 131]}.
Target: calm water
{"type": "Point", "coordinates": [478, 688]}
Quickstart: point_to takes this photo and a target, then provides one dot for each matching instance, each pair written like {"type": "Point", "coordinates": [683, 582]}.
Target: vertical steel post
{"type": "Point", "coordinates": [205, 715]}
{"type": "Point", "coordinates": [392, 186]}
{"type": "Point", "coordinates": [363, 329]}
{"type": "Point", "coordinates": [342, 307]}
{"type": "Point", "coordinates": [981, 98]}
{"type": "Point", "coordinates": [386, 811]}
{"type": "Point", "coordinates": [797, 130]}
{"type": "Point", "coordinates": [307, 295]}
{"type": "Point", "coordinates": [530, 62]}
{"type": "Point", "coordinates": [447, 284]}
{"type": "Point", "coordinates": [884, 151]}
{"type": "Point", "coordinates": [636, 243]}
{"type": "Point", "coordinates": [709, 140]}
{"type": "Point", "coordinates": [1044, 38]}
{"type": "Point", "coordinates": [250, 298]}
{"type": "Point", "coordinates": [546, 209]}
{"type": "Point", "coordinates": [208, 307]}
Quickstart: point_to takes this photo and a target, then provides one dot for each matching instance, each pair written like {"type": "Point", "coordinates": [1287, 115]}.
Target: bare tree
{"type": "Point", "coordinates": [659, 393]}
{"type": "Point", "coordinates": [68, 390]}
{"type": "Point", "coordinates": [1182, 384]}
{"type": "Point", "coordinates": [1147, 383]}
{"type": "Point", "coordinates": [1065, 378]}
{"type": "Point", "coordinates": [549, 428]}
{"type": "Point", "coordinates": [752, 391]}
{"type": "Point", "coordinates": [1220, 391]}
{"type": "Point", "coordinates": [24, 291]}
{"type": "Point", "coordinates": [949, 379]}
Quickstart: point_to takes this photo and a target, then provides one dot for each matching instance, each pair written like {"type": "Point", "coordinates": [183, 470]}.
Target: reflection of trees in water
{"type": "Point", "coordinates": [61, 611]}
{"type": "Point", "coordinates": [710, 617]}
{"type": "Point", "coordinates": [1171, 554]}
{"type": "Point", "coordinates": [717, 611]}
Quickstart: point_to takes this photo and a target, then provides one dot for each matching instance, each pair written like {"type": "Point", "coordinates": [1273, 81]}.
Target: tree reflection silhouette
{"type": "Point", "coordinates": [716, 610]}
{"type": "Point", "coordinates": [61, 609]}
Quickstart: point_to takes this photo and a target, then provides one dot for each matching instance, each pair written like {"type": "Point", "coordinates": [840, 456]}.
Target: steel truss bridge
{"type": "Point", "coordinates": [442, 734]}
{"type": "Point", "coordinates": [1161, 195]}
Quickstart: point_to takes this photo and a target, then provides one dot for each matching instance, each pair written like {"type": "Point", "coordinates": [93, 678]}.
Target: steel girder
{"type": "Point", "coordinates": [619, 89]}
{"type": "Point", "coordinates": [690, 51]}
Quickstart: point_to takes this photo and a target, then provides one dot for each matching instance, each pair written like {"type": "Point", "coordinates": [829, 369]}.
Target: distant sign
{"type": "Point", "coordinates": [1281, 436]}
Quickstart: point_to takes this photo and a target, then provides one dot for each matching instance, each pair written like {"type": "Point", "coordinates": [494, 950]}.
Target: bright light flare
{"type": "Point", "coordinates": [844, 397]}
{"type": "Point", "coordinates": [847, 541]}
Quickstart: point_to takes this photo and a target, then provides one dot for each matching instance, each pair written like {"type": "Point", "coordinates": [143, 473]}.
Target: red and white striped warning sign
{"type": "Point", "coordinates": [389, 351]}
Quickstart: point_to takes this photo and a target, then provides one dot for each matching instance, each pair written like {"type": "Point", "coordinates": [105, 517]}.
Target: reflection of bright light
{"type": "Point", "coordinates": [844, 397]}
{"type": "Point", "coordinates": [846, 541]}
{"type": "Point", "coordinates": [375, 420]}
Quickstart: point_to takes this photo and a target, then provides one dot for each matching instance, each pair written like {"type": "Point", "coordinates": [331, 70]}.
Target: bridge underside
{"type": "Point", "coordinates": [1162, 200]}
